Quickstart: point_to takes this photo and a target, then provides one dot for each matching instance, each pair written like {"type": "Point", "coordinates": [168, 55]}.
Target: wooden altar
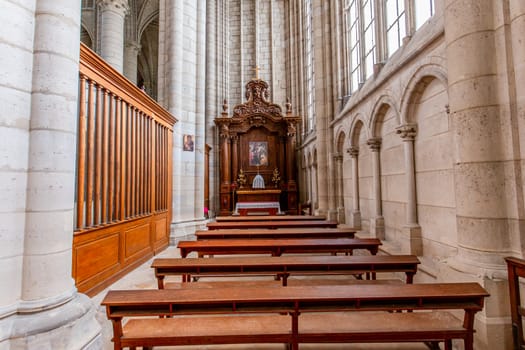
{"type": "Point", "coordinates": [257, 141]}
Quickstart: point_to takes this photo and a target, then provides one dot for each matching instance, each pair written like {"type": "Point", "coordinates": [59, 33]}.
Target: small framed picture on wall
{"type": "Point", "coordinates": [187, 143]}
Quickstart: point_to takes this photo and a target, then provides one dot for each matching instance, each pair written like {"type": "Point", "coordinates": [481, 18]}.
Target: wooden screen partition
{"type": "Point", "coordinates": [124, 170]}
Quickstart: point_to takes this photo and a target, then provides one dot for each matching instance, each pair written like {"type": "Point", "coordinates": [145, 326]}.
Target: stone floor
{"type": "Point", "coordinates": [143, 277]}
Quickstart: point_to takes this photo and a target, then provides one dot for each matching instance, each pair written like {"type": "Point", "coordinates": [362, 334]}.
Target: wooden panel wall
{"type": "Point", "coordinates": [124, 169]}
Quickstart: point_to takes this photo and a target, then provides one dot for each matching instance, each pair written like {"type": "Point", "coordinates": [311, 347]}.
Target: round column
{"type": "Point", "coordinates": [377, 224]}
{"type": "Point", "coordinates": [131, 52]}
{"type": "Point", "coordinates": [112, 14]}
{"type": "Point", "coordinates": [356, 213]}
{"type": "Point", "coordinates": [408, 134]}
{"type": "Point", "coordinates": [15, 114]}
{"type": "Point", "coordinates": [51, 314]}
{"type": "Point", "coordinates": [225, 173]}
{"type": "Point", "coordinates": [412, 241]}
{"type": "Point", "coordinates": [339, 188]}
{"type": "Point", "coordinates": [476, 114]}
{"type": "Point", "coordinates": [52, 137]}
{"type": "Point", "coordinates": [235, 155]}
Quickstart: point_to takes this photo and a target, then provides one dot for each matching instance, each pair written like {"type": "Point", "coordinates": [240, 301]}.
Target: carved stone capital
{"type": "Point", "coordinates": [407, 132]}
{"type": "Point", "coordinates": [374, 144]}
{"type": "Point", "coordinates": [353, 151]}
{"type": "Point", "coordinates": [133, 46]}
{"type": "Point", "coordinates": [119, 6]}
{"type": "Point", "coordinates": [338, 157]}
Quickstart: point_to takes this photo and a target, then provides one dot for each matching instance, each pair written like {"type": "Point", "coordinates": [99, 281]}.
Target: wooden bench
{"type": "Point", "coordinates": [284, 266]}
{"type": "Point", "coordinates": [294, 315]}
{"type": "Point", "coordinates": [276, 247]}
{"type": "Point", "coordinates": [271, 224]}
{"type": "Point", "coordinates": [280, 233]}
{"type": "Point", "coordinates": [238, 218]}
{"type": "Point", "coordinates": [516, 269]}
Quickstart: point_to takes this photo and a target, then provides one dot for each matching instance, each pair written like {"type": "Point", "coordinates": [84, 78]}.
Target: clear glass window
{"type": "Point", "coordinates": [395, 24]}
{"type": "Point", "coordinates": [423, 10]}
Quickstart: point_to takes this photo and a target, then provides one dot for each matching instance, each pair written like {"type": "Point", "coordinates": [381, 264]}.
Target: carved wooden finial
{"type": "Point", "coordinates": [288, 106]}
{"type": "Point", "coordinates": [256, 69]}
{"type": "Point", "coordinates": [225, 107]}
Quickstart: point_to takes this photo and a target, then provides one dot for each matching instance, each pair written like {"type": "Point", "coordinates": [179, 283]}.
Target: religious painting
{"type": "Point", "coordinates": [258, 152]}
{"type": "Point", "coordinates": [187, 143]}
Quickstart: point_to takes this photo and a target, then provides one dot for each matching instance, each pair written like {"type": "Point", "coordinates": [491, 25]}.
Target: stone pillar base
{"type": "Point", "coordinates": [411, 240]}
{"type": "Point", "coordinates": [356, 219]}
{"type": "Point", "coordinates": [70, 326]}
{"type": "Point", "coordinates": [332, 215]}
{"type": "Point", "coordinates": [185, 230]}
{"type": "Point", "coordinates": [493, 324]}
{"type": "Point", "coordinates": [377, 227]}
{"type": "Point", "coordinates": [341, 218]}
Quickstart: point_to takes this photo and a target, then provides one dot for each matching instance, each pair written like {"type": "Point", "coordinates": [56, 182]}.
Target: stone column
{"type": "Point", "coordinates": [49, 314]}
{"type": "Point", "coordinates": [339, 188]}
{"type": "Point", "coordinates": [200, 108]}
{"type": "Point", "coordinates": [315, 188]}
{"type": "Point", "coordinates": [15, 115]}
{"type": "Point", "coordinates": [309, 184]}
{"type": "Point", "coordinates": [173, 67]}
{"type": "Point", "coordinates": [112, 13]}
{"type": "Point", "coordinates": [476, 115]}
{"type": "Point", "coordinates": [131, 52]}
{"type": "Point", "coordinates": [517, 28]}
{"type": "Point", "coordinates": [322, 47]}
{"type": "Point", "coordinates": [212, 98]}
{"type": "Point", "coordinates": [162, 98]}
{"type": "Point", "coordinates": [412, 241]}
{"type": "Point", "coordinates": [377, 224]}
{"type": "Point", "coordinates": [488, 186]}
{"type": "Point", "coordinates": [356, 213]}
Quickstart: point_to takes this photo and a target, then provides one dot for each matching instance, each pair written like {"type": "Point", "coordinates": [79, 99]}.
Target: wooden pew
{"type": "Point", "coordinates": [280, 233]}
{"type": "Point", "coordinates": [284, 266]}
{"type": "Point", "coordinates": [277, 247]}
{"type": "Point", "coordinates": [258, 315]}
{"type": "Point", "coordinates": [271, 224]}
{"type": "Point", "coordinates": [516, 269]}
{"type": "Point", "coordinates": [238, 218]}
